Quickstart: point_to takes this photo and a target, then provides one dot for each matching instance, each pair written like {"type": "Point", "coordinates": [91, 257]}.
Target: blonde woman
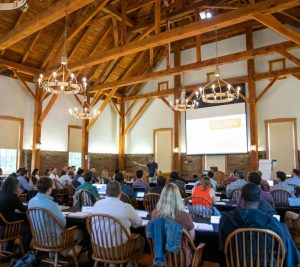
{"type": "Point", "coordinates": [170, 206]}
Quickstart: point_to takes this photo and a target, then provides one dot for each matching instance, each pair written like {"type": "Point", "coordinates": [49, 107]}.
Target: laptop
{"type": "Point", "coordinates": [189, 187]}
{"type": "Point", "coordinates": [294, 201]}
{"type": "Point", "coordinates": [101, 188]}
{"type": "Point", "coordinates": [139, 192]}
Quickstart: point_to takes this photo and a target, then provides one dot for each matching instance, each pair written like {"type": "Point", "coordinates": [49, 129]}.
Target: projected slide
{"type": "Point", "coordinates": [217, 130]}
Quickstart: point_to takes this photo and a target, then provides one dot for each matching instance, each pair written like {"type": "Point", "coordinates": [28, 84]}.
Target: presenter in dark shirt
{"type": "Point", "coordinates": [152, 169]}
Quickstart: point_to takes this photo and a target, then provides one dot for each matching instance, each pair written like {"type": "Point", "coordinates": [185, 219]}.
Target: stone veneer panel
{"type": "Point", "coordinates": [140, 158]}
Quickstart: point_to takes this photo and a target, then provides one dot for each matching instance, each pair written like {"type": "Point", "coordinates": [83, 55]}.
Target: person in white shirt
{"type": "Point", "coordinates": [125, 213]}
{"type": "Point", "coordinates": [55, 179]}
{"type": "Point", "coordinates": [67, 178]}
{"type": "Point", "coordinates": [213, 182]}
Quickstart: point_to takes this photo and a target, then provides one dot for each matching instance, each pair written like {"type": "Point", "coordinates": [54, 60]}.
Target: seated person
{"type": "Point", "coordinates": [55, 178]}
{"type": "Point", "coordinates": [213, 182]}
{"type": "Point", "coordinates": [230, 179]}
{"type": "Point", "coordinates": [249, 216]}
{"type": "Point", "coordinates": [119, 177]}
{"type": "Point", "coordinates": [174, 178]}
{"type": "Point", "coordinates": [161, 182]}
{"type": "Point", "coordinates": [282, 184]}
{"type": "Point", "coordinates": [139, 182]}
{"type": "Point", "coordinates": [78, 179]}
{"type": "Point", "coordinates": [66, 178]}
{"type": "Point", "coordinates": [125, 213]}
{"type": "Point", "coordinates": [295, 180]}
{"type": "Point", "coordinates": [23, 182]}
{"type": "Point", "coordinates": [170, 206]}
{"type": "Point", "coordinates": [238, 184]}
{"type": "Point", "coordinates": [9, 202]}
{"type": "Point", "coordinates": [116, 172]}
{"type": "Point", "coordinates": [87, 185]}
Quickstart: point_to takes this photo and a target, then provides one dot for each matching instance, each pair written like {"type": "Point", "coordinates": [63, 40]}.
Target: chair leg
{"type": "Point", "coordinates": [56, 260]}
{"type": "Point", "coordinates": [75, 257]}
{"type": "Point", "coordinates": [96, 264]}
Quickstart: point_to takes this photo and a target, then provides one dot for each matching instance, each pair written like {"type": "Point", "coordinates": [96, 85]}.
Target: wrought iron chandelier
{"type": "Point", "coordinates": [217, 91]}
{"type": "Point", "coordinates": [16, 4]}
{"type": "Point", "coordinates": [183, 103]}
{"type": "Point", "coordinates": [63, 81]}
{"type": "Point", "coordinates": [84, 112]}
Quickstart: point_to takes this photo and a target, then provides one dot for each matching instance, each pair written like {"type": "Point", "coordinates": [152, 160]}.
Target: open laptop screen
{"type": "Point", "coordinates": [101, 188]}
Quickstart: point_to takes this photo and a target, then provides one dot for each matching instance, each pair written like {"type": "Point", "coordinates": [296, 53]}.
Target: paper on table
{"type": "Point", "coordinates": [63, 207]}
{"type": "Point", "coordinates": [215, 219]}
{"type": "Point", "coordinates": [78, 214]}
{"type": "Point", "coordinates": [142, 213]}
{"type": "Point", "coordinates": [87, 209]}
{"type": "Point", "coordinates": [145, 222]}
{"type": "Point", "coordinates": [203, 227]}
{"type": "Point", "coordinates": [220, 203]}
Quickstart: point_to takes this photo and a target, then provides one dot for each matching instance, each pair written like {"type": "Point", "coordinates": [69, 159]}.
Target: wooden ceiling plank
{"type": "Point", "coordinates": [244, 55]}
{"type": "Point", "coordinates": [33, 41]}
{"type": "Point", "coordinates": [24, 84]}
{"type": "Point", "coordinates": [137, 5]}
{"type": "Point", "coordinates": [276, 25]}
{"type": "Point", "coordinates": [290, 57]}
{"type": "Point", "coordinates": [102, 107]}
{"type": "Point", "coordinates": [123, 21]}
{"type": "Point", "coordinates": [137, 115]}
{"type": "Point", "coordinates": [157, 19]}
{"type": "Point", "coordinates": [186, 31]}
{"type": "Point", "coordinates": [42, 20]}
{"type": "Point", "coordinates": [266, 89]}
{"type": "Point", "coordinates": [115, 31]}
{"type": "Point", "coordinates": [47, 109]}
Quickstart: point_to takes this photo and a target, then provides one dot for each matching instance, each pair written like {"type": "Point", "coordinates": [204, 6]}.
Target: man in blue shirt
{"type": "Point", "coordinates": [87, 185]}
{"type": "Point", "coordinates": [124, 188]}
{"type": "Point", "coordinates": [152, 169]}
{"type": "Point", "coordinates": [25, 186]}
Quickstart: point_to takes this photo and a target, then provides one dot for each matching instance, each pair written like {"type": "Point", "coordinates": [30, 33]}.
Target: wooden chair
{"type": "Point", "coordinates": [111, 242]}
{"type": "Point", "coordinates": [176, 260]}
{"type": "Point", "coordinates": [236, 194]}
{"type": "Point", "coordinates": [86, 198]}
{"type": "Point", "coordinates": [71, 191]}
{"type": "Point", "coordinates": [126, 199]}
{"type": "Point", "coordinates": [280, 196]}
{"type": "Point", "coordinates": [150, 201]}
{"type": "Point", "coordinates": [199, 207]}
{"type": "Point", "coordinates": [23, 197]}
{"type": "Point", "coordinates": [49, 235]}
{"type": "Point", "coordinates": [180, 184]}
{"type": "Point", "coordinates": [254, 247]}
{"type": "Point", "coordinates": [9, 231]}
{"type": "Point", "coordinates": [294, 227]}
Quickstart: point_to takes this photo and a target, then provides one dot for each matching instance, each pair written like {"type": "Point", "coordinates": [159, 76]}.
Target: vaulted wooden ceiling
{"type": "Point", "coordinates": [110, 40]}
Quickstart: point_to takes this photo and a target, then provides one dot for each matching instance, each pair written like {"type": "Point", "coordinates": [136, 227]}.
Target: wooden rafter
{"type": "Point", "coordinates": [115, 31]}
{"type": "Point", "coordinates": [266, 89]}
{"type": "Point", "coordinates": [116, 14]}
{"type": "Point", "coordinates": [47, 109]}
{"type": "Point", "coordinates": [20, 67]}
{"type": "Point", "coordinates": [137, 115]}
{"type": "Point", "coordinates": [130, 108]}
{"type": "Point", "coordinates": [77, 99]}
{"type": "Point", "coordinates": [220, 21]}
{"type": "Point", "coordinates": [41, 20]}
{"type": "Point", "coordinates": [166, 102]}
{"type": "Point", "coordinates": [33, 41]}
{"type": "Point", "coordinates": [290, 16]}
{"type": "Point", "coordinates": [113, 104]}
{"type": "Point", "coordinates": [124, 20]}
{"type": "Point", "coordinates": [244, 55]}
{"type": "Point", "coordinates": [290, 57]}
{"type": "Point", "coordinates": [276, 25]}
{"type": "Point", "coordinates": [24, 84]}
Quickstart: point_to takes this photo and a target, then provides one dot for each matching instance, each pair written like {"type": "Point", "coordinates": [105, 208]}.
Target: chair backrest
{"type": "Point", "coordinates": [23, 197]}
{"type": "Point", "coordinates": [236, 194]}
{"type": "Point", "coordinates": [86, 198]}
{"type": "Point", "coordinates": [45, 228]}
{"type": "Point", "coordinates": [150, 201]}
{"type": "Point", "coordinates": [180, 184]}
{"type": "Point", "coordinates": [181, 258]}
{"type": "Point", "coordinates": [254, 247]}
{"type": "Point", "coordinates": [126, 199]}
{"type": "Point", "coordinates": [9, 230]}
{"type": "Point", "coordinates": [280, 196]}
{"type": "Point", "coordinates": [70, 188]}
{"type": "Point", "coordinates": [199, 207]}
{"type": "Point", "coordinates": [108, 237]}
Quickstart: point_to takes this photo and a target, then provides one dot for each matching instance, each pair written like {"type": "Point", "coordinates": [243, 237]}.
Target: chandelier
{"type": "Point", "coordinates": [217, 91]}
{"type": "Point", "coordinates": [85, 112]}
{"type": "Point", "coordinates": [16, 4]}
{"type": "Point", "coordinates": [63, 81]}
{"type": "Point", "coordinates": [183, 103]}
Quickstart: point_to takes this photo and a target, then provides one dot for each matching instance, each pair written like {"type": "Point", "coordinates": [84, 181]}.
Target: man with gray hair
{"type": "Point", "coordinates": [238, 184]}
{"type": "Point", "coordinates": [125, 213]}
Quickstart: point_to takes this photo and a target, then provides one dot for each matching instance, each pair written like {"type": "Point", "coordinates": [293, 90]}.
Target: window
{"type": "Point", "coordinates": [75, 159]}
{"type": "Point", "coordinates": [8, 160]}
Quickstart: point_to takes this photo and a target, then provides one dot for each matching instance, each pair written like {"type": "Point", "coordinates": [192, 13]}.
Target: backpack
{"type": "Point", "coordinates": [30, 259]}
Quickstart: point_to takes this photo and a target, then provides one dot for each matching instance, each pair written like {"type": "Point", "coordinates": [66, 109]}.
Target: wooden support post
{"type": "Point", "coordinates": [168, 50]}
{"type": "Point", "coordinates": [198, 48]}
{"type": "Point", "coordinates": [121, 159]}
{"type": "Point", "coordinates": [177, 115]}
{"type": "Point", "coordinates": [85, 142]}
{"type": "Point", "coordinates": [37, 130]}
{"type": "Point", "coordinates": [252, 105]}
{"type": "Point", "coordinates": [124, 22]}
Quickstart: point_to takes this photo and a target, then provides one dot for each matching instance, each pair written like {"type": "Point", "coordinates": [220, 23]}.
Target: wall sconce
{"type": "Point", "coordinates": [253, 147]}
{"type": "Point", "coordinates": [86, 157]}
{"type": "Point", "coordinates": [175, 150]}
{"type": "Point", "coordinates": [38, 146]}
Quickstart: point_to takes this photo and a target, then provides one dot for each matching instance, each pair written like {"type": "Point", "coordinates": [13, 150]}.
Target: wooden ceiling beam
{"type": "Point", "coordinates": [276, 25]}
{"type": "Point", "coordinates": [77, 99]}
{"type": "Point", "coordinates": [116, 14]}
{"type": "Point", "coordinates": [290, 16]}
{"type": "Point", "coordinates": [166, 102]}
{"type": "Point", "coordinates": [24, 84]}
{"type": "Point", "coordinates": [115, 31]}
{"type": "Point", "coordinates": [244, 55]}
{"type": "Point", "coordinates": [47, 109]}
{"type": "Point", "coordinates": [20, 67]}
{"type": "Point", "coordinates": [220, 21]}
{"type": "Point", "coordinates": [290, 57]}
{"type": "Point", "coordinates": [32, 43]}
{"type": "Point", "coordinates": [130, 108]}
{"type": "Point", "coordinates": [43, 19]}
{"type": "Point", "coordinates": [266, 89]}
{"type": "Point", "coordinates": [115, 108]}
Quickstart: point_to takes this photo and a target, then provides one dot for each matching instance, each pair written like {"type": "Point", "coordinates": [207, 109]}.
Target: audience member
{"type": "Point", "coordinates": [87, 185]}
{"type": "Point", "coordinates": [95, 178]}
{"type": "Point", "coordinates": [78, 179]}
{"type": "Point", "coordinates": [35, 176]}
{"type": "Point", "coordinates": [23, 182]}
{"type": "Point", "coordinates": [249, 216]}
{"type": "Point", "coordinates": [230, 179]}
{"type": "Point", "coordinates": [139, 182]}
{"type": "Point", "coordinates": [213, 182]}
{"type": "Point", "coordinates": [55, 178]}
{"type": "Point", "coordinates": [238, 184]}
{"type": "Point", "coordinates": [104, 177]}
{"type": "Point", "coordinates": [66, 178]}
{"type": "Point", "coordinates": [205, 190]}
{"type": "Point", "coordinates": [125, 213]}
{"type": "Point", "coordinates": [116, 172]}
{"type": "Point", "coordinates": [174, 178]}
{"type": "Point", "coordinates": [295, 180]}
{"type": "Point", "coordinates": [119, 177]}
{"type": "Point", "coordinates": [152, 169]}
{"type": "Point", "coordinates": [161, 182]}
{"type": "Point", "coordinates": [9, 202]}
{"type": "Point", "coordinates": [64, 171]}
{"type": "Point", "coordinates": [47, 172]}
{"type": "Point", "coordinates": [282, 184]}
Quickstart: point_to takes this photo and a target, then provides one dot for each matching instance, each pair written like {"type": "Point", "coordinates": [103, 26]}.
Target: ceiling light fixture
{"type": "Point", "coordinates": [17, 4]}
